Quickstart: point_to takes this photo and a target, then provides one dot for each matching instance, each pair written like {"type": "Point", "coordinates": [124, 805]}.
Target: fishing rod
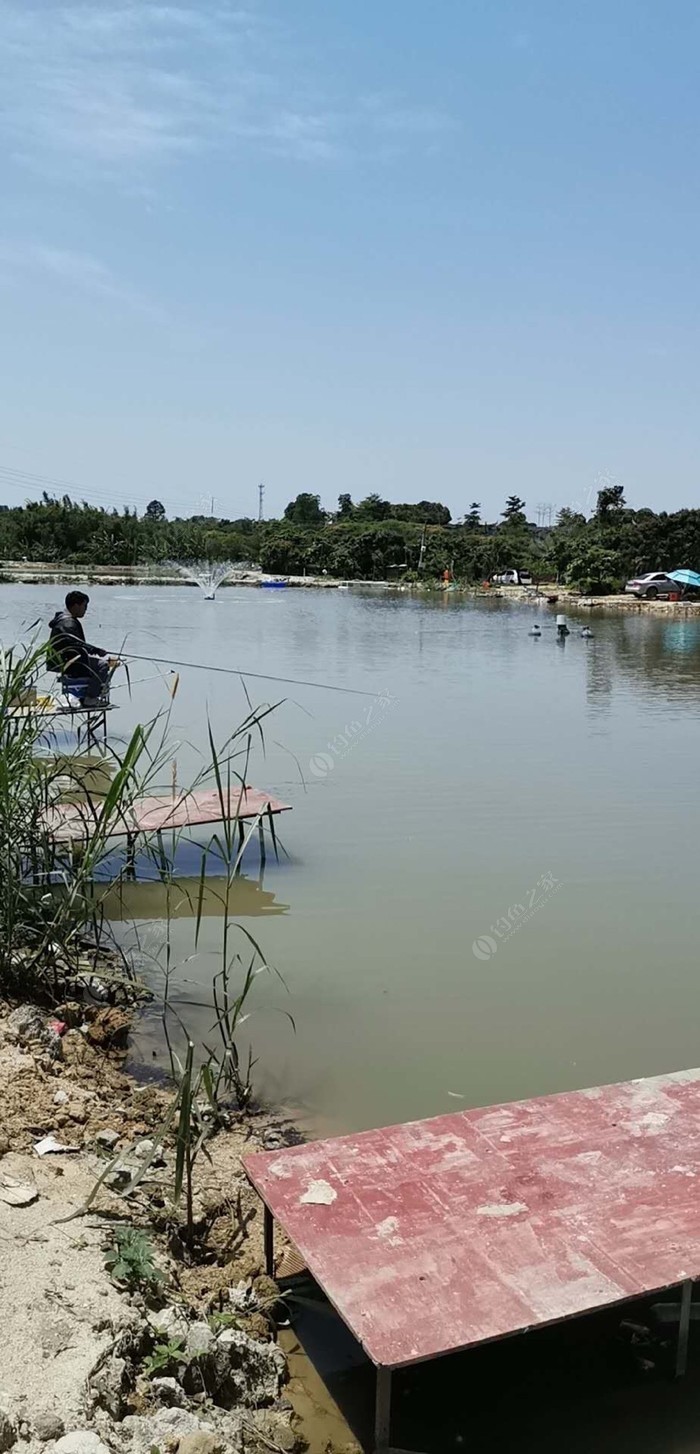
{"type": "Point", "coordinates": [239, 672]}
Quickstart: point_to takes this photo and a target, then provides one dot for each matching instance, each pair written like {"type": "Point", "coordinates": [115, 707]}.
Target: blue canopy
{"type": "Point", "coordinates": [685, 577]}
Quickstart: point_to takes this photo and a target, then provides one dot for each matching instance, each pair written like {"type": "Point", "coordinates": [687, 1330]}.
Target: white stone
{"type": "Point", "coordinates": [107, 1138]}
{"type": "Point", "coordinates": [200, 1341]}
{"type": "Point", "coordinates": [169, 1322]}
{"type": "Point", "coordinates": [81, 1441]}
{"type": "Point", "coordinates": [13, 1194]}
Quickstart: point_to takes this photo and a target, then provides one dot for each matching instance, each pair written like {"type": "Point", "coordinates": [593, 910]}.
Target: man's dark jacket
{"type": "Point", "coordinates": [69, 653]}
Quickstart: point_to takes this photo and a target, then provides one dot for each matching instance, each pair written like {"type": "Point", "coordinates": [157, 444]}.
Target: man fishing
{"type": "Point", "coordinates": [85, 670]}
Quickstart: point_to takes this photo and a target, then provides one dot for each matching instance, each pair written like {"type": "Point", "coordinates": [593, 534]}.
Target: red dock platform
{"type": "Point", "coordinates": [71, 822]}
{"type": "Point", "coordinates": [431, 1237]}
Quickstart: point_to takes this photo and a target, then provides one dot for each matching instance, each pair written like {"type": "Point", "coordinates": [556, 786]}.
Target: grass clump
{"type": "Point", "coordinates": [165, 1359]}
{"type": "Point", "coordinates": [51, 925]}
{"type": "Point", "coordinates": [130, 1261]}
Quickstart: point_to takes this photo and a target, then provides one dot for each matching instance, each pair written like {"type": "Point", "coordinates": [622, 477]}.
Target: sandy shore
{"type": "Point", "coordinates": [74, 1365]}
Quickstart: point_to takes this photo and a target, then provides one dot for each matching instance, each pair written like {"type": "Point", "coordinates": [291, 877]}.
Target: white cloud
{"type": "Point", "coordinates": [76, 271]}
{"type": "Point", "coordinates": [116, 85]}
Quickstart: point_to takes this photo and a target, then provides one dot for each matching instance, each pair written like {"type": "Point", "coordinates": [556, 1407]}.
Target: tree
{"type": "Point", "coordinates": [593, 568]}
{"type": "Point", "coordinates": [373, 508]}
{"type": "Point", "coordinates": [514, 506]}
{"type": "Point", "coordinates": [305, 510]}
{"type": "Point", "coordinates": [569, 520]}
{"type": "Point", "coordinates": [611, 500]}
{"type": "Point", "coordinates": [473, 519]}
{"type": "Point", "coordinates": [426, 512]}
{"type": "Point", "coordinates": [155, 511]}
{"type": "Point", "coordinates": [346, 509]}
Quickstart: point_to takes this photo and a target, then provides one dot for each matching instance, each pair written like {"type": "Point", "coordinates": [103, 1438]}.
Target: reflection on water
{"type": "Point", "coordinates": [662, 655]}
{"type": "Point", "coordinates": [182, 898]}
{"type": "Point", "coordinates": [502, 760]}
{"type": "Point", "coordinates": [82, 776]}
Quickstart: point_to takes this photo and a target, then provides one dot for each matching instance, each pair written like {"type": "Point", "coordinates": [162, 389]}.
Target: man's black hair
{"type": "Point", "coordinates": [76, 598]}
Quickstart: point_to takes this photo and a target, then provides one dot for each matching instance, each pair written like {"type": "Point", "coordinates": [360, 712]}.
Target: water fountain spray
{"type": "Point", "coordinates": [204, 574]}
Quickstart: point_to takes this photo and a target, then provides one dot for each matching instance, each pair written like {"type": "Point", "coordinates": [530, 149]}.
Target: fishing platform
{"type": "Point", "coordinates": [154, 815]}
{"type": "Point", "coordinates": [433, 1237]}
{"type": "Point", "coordinates": [90, 720]}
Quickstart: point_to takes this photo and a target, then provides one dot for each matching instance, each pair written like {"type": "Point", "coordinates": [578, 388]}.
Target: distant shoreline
{"type": "Point", "coordinates": [37, 573]}
{"type": "Point", "coordinates": [40, 573]}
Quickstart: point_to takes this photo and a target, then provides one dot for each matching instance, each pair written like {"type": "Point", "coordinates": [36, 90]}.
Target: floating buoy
{"type": "Point", "coordinates": [535, 631]}
{"type": "Point", "coordinates": [586, 633]}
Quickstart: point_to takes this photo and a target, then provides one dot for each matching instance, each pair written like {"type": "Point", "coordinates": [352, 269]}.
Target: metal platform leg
{"type": "Point", "coordinates": [273, 834]}
{"type": "Point", "coordinates": [269, 1240]}
{"type": "Point", "coordinates": [382, 1416]}
{"type": "Point", "coordinates": [683, 1329]}
{"type": "Point", "coordinates": [94, 723]}
{"type": "Point", "coordinates": [382, 1411]}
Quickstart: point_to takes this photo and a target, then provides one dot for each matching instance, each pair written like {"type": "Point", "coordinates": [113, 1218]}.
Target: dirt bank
{"type": "Point", "coordinates": [631, 603]}
{"type": "Point", "coordinates": [568, 599]}
{"type": "Point", "coordinates": [186, 1350]}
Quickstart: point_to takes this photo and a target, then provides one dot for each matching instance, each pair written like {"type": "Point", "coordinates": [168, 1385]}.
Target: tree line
{"type": "Point", "coordinates": [373, 539]}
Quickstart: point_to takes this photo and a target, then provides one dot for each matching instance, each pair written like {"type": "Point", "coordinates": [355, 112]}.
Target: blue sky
{"type": "Point", "coordinates": [443, 250]}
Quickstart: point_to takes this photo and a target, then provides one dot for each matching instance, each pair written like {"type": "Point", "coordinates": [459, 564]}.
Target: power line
{"type": "Point", "coordinates": [24, 480]}
{"type": "Point", "coordinates": [29, 477]}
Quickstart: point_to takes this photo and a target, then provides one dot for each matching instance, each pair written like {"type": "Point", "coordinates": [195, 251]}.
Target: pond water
{"type": "Point", "coordinates": [491, 888]}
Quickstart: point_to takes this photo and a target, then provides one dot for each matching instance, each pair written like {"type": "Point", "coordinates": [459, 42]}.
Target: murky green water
{"type": "Point", "coordinates": [491, 889]}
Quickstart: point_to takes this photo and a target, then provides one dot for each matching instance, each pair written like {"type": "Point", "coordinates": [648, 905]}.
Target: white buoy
{"type": "Point", "coordinates": [535, 631]}
{"type": "Point", "coordinates": [586, 633]}
{"type": "Point", "coordinates": [562, 628]}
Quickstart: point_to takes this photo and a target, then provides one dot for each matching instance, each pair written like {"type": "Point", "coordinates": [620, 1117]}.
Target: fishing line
{"type": "Point", "coordinates": [125, 686]}
{"type": "Point", "coordinates": [230, 671]}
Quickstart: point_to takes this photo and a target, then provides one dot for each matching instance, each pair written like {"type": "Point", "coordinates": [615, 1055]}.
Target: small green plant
{"type": "Point", "coordinates": [164, 1356]}
{"type": "Point", "coordinates": [130, 1260]}
{"type": "Point", "coordinates": [218, 1321]}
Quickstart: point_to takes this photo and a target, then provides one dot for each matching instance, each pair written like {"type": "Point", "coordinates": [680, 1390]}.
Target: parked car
{"type": "Point", "coordinates": [513, 578]}
{"type": "Point", "coordinates": [654, 584]}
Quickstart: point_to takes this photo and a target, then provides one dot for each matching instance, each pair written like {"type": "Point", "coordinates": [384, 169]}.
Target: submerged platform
{"type": "Point", "coordinates": [431, 1237]}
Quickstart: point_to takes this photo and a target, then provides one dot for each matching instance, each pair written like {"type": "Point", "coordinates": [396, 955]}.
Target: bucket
{"type": "Point", "coordinates": [76, 688]}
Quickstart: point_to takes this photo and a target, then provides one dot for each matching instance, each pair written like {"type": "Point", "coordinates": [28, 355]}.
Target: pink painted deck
{"type": "Point", "coordinates": [160, 814]}
{"type": "Point", "coordinates": [437, 1235]}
